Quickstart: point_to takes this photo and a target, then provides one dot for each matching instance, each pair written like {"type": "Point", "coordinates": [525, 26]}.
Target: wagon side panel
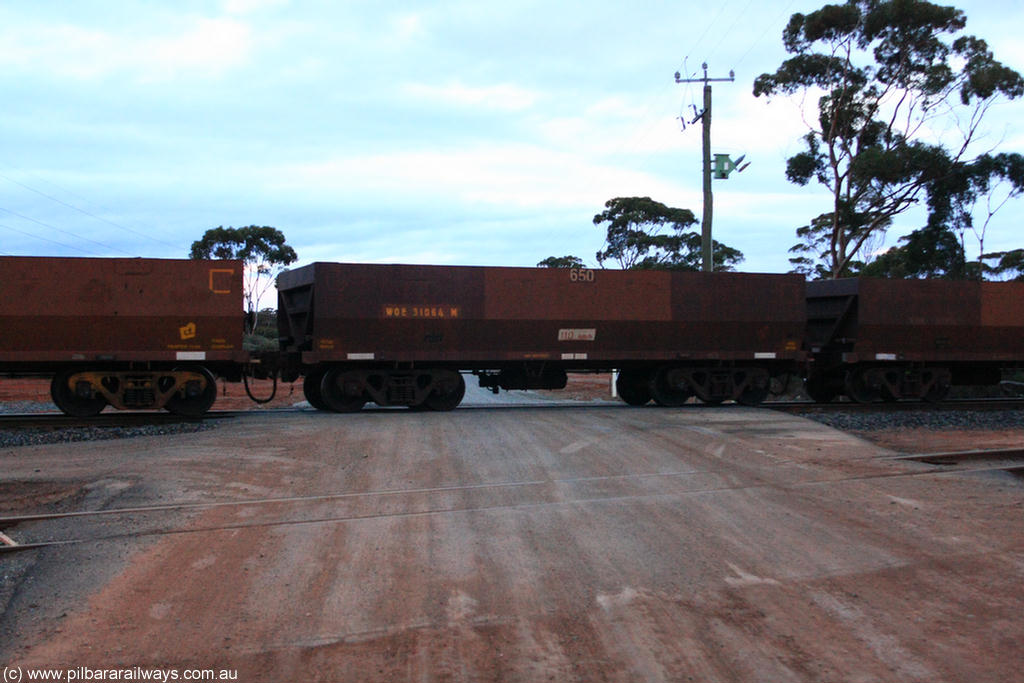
{"type": "Point", "coordinates": [82, 309]}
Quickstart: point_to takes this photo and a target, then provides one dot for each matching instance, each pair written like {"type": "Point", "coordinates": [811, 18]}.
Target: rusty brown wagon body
{"type": "Point", "coordinates": [150, 333]}
{"type": "Point", "coordinates": [398, 334]}
{"type": "Point", "coordinates": [132, 333]}
{"type": "Point", "coordinates": [873, 338]}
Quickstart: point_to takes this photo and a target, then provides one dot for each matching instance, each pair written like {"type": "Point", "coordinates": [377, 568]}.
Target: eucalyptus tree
{"type": "Point", "coordinates": [645, 234]}
{"type": "Point", "coordinates": [263, 250]}
{"type": "Point", "coordinates": [561, 262]}
{"type": "Point", "coordinates": [901, 95]}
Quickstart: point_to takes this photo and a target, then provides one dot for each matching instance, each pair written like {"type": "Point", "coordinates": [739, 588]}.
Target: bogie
{"type": "Point", "coordinates": [675, 385]}
{"type": "Point", "coordinates": [348, 390]}
{"type": "Point", "coordinates": [867, 384]}
{"type": "Point", "coordinates": [84, 392]}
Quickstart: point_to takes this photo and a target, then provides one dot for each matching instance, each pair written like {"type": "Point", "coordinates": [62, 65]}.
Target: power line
{"type": "Point", "coordinates": [66, 232]}
{"type": "Point", "coordinates": [721, 9]}
{"type": "Point", "coordinates": [739, 17]}
{"type": "Point", "coordinates": [46, 239]}
{"type": "Point", "coordinates": [87, 213]}
{"type": "Point", "coordinates": [768, 28]}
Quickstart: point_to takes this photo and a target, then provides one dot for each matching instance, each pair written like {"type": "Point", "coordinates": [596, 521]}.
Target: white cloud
{"type": "Point", "coordinates": [200, 47]}
{"type": "Point", "coordinates": [513, 175]}
{"type": "Point", "coordinates": [501, 96]}
{"type": "Point", "coordinates": [640, 137]}
{"type": "Point", "coordinates": [406, 26]}
{"type": "Point", "coordinates": [616, 107]}
{"type": "Point", "coordinates": [209, 45]}
{"type": "Point", "coordinates": [249, 6]}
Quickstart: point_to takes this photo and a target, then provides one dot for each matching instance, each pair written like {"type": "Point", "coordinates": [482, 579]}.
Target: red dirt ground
{"type": "Point", "coordinates": [569, 544]}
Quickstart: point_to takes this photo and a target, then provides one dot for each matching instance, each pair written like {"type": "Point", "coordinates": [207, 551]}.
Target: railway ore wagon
{"type": "Point", "coordinates": [403, 335]}
{"type": "Point", "coordinates": [876, 339]}
{"type": "Point", "coordinates": [130, 333]}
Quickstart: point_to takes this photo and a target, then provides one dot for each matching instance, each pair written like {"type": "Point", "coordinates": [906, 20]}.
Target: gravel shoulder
{"type": "Point", "coordinates": [931, 431]}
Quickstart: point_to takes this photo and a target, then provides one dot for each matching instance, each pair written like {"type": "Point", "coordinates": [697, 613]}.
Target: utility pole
{"type": "Point", "coordinates": [705, 226]}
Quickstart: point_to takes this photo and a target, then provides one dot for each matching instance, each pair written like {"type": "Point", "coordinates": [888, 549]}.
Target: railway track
{"type": "Point", "coordinates": [54, 421]}
{"type": "Point", "coordinates": [1006, 459]}
{"type": "Point", "coordinates": [120, 419]}
{"type": "Point", "coordinates": [982, 404]}
{"type": "Point", "coordinates": [963, 462]}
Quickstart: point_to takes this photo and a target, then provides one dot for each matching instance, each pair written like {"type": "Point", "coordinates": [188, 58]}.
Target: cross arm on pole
{"type": "Point", "coordinates": [705, 79]}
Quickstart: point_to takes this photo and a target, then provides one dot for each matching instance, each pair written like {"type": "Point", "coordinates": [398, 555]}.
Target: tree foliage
{"type": "Point", "coordinates": [645, 234]}
{"type": "Point", "coordinates": [953, 200]}
{"type": "Point", "coordinates": [251, 244]}
{"type": "Point", "coordinates": [263, 249]}
{"type": "Point", "coordinates": [888, 76]}
{"type": "Point", "coordinates": [931, 252]}
{"type": "Point", "coordinates": [561, 262]}
{"type": "Point", "coordinates": [1007, 264]}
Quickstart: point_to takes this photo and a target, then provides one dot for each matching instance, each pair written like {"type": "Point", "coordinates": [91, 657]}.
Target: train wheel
{"type": "Point", "coordinates": [668, 388]}
{"type": "Point", "coordinates": [891, 386]}
{"type": "Point", "coordinates": [756, 391]}
{"type": "Point", "coordinates": [311, 389]}
{"type": "Point", "coordinates": [342, 391]}
{"type": "Point", "coordinates": [68, 400]}
{"type": "Point", "coordinates": [858, 388]}
{"type": "Point", "coordinates": [939, 388]}
{"type": "Point", "coordinates": [196, 400]}
{"type": "Point", "coordinates": [448, 392]}
{"type": "Point", "coordinates": [632, 388]}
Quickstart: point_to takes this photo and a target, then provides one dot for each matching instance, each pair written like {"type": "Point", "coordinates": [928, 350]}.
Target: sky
{"type": "Point", "coordinates": [446, 132]}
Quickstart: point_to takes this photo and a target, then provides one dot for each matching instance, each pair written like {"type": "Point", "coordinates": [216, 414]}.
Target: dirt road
{"type": "Point", "coordinates": [519, 544]}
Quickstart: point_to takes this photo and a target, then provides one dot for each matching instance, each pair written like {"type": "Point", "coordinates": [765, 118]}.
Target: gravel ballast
{"type": "Point", "coordinates": [35, 436]}
{"type": "Point", "coordinates": [920, 419]}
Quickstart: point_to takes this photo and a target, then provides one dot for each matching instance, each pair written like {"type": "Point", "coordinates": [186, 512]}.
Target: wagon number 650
{"type": "Point", "coordinates": [581, 275]}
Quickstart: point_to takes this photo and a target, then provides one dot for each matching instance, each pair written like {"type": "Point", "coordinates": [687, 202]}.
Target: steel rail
{"type": "Point", "coordinates": [983, 404]}
{"type": "Point", "coordinates": [105, 420]}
